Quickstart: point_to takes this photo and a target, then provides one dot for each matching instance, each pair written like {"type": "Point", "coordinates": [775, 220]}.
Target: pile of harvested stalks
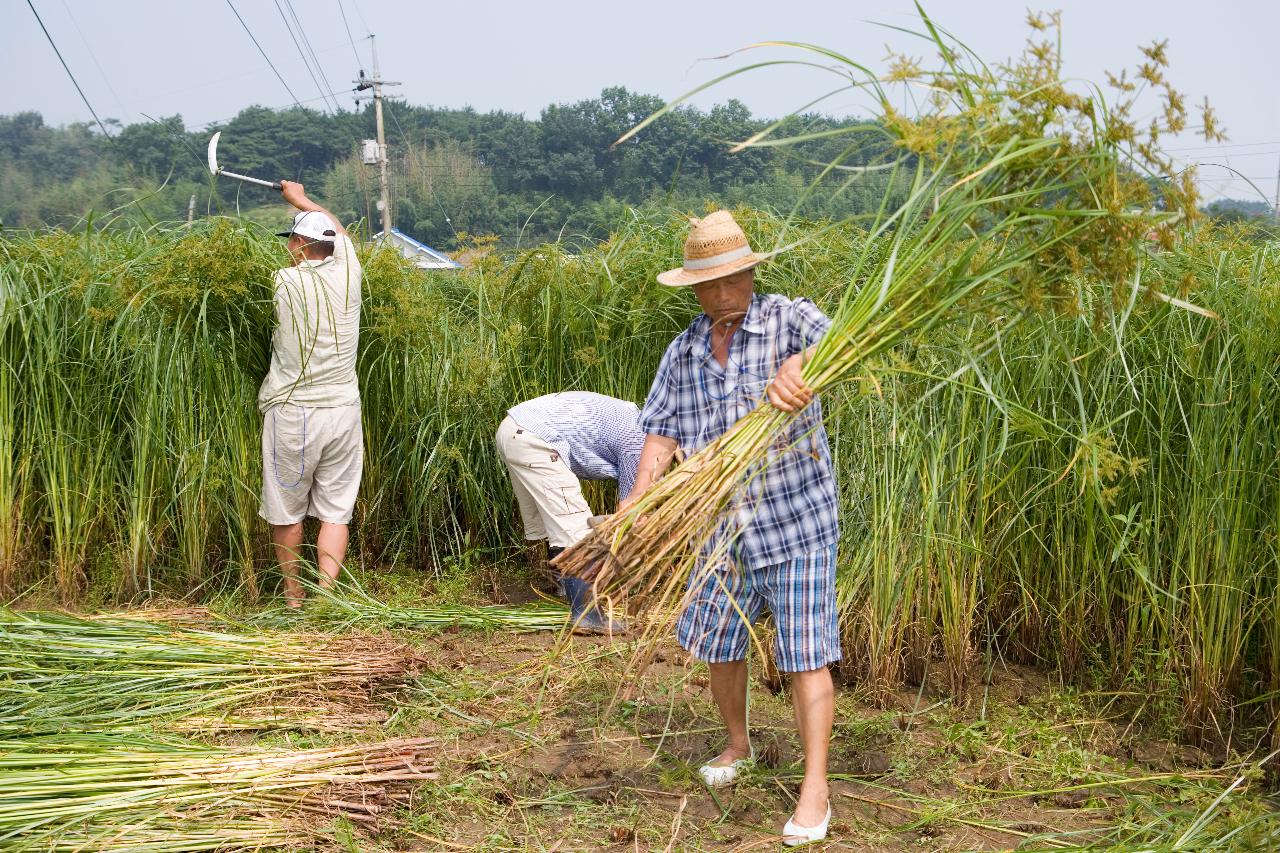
{"type": "Point", "coordinates": [350, 606]}
{"type": "Point", "coordinates": [78, 792]}
{"type": "Point", "coordinates": [60, 672]}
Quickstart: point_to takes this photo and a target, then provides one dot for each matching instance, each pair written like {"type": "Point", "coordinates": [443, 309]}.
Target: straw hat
{"type": "Point", "coordinates": [716, 248]}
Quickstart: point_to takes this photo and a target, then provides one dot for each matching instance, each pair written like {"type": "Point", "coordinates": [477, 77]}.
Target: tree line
{"type": "Point", "coordinates": [454, 172]}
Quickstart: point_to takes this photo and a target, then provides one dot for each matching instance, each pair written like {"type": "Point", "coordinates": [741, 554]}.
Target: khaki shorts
{"type": "Point", "coordinates": [550, 496]}
{"type": "Point", "coordinates": [311, 461]}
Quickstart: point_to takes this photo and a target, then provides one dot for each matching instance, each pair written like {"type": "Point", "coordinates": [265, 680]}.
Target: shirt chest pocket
{"type": "Point", "coordinates": [752, 389]}
{"type": "Point", "coordinates": [744, 393]}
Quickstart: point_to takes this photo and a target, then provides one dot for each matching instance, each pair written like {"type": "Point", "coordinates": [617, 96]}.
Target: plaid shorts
{"type": "Point", "coordinates": [801, 594]}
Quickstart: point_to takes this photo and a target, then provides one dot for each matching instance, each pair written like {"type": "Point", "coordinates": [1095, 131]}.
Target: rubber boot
{"type": "Point", "coordinates": [587, 618]}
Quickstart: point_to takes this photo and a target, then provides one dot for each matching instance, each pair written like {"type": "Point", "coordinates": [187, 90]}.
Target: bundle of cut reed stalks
{"type": "Point", "coordinates": [98, 792]}
{"type": "Point", "coordinates": [1019, 193]}
{"type": "Point", "coordinates": [60, 672]}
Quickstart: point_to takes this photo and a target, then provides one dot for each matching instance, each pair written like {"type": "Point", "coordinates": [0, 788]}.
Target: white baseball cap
{"type": "Point", "coordinates": [313, 225]}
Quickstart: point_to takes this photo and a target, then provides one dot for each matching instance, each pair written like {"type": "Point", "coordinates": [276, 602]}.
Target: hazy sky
{"type": "Point", "coordinates": [165, 57]}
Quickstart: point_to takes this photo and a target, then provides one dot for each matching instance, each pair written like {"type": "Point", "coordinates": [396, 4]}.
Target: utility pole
{"type": "Point", "coordinates": [1275, 206]}
{"type": "Point", "coordinates": [376, 83]}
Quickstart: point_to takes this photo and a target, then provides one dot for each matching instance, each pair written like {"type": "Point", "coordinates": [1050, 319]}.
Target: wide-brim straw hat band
{"type": "Point", "coordinates": [716, 247]}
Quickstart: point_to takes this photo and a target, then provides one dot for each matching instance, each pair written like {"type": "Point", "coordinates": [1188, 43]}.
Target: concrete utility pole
{"type": "Point", "coordinates": [376, 83]}
{"type": "Point", "coordinates": [1275, 206]}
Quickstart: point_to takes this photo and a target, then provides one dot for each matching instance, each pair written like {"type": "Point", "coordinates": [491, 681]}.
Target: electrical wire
{"type": "Point", "coordinates": [409, 147]}
{"type": "Point", "coordinates": [360, 14]}
{"type": "Point", "coordinates": [65, 68]}
{"type": "Point", "coordinates": [1229, 154]}
{"type": "Point", "coordinates": [306, 41]}
{"type": "Point", "coordinates": [343, 9]}
{"type": "Point", "coordinates": [89, 49]}
{"type": "Point", "coordinates": [216, 121]}
{"type": "Point", "coordinates": [180, 138]}
{"type": "Point", "coordinates": [1225, 145]}
{"type": "Point", "coordinates": [296, 103]}
{"type": "Point", "coordinates": [301, 53]}
{"type": "Point", "coordinates": [250, 72]}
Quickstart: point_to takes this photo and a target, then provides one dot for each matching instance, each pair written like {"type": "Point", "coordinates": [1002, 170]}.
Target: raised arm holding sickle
{"type": "Point", "coordinates": [295, 193]}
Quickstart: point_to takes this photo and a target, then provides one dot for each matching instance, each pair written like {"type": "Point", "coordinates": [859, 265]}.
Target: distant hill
{"type": "Point", "coordinates": [1234, 210]}
{"type": "Point", "coordinates": [454, 171]}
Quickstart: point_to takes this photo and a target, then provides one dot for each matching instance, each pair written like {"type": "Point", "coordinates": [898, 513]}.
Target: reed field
{"type": "Point", "coordinates": [1051, 394]}
{"type": "Point", "coordinates": [1095, 492]}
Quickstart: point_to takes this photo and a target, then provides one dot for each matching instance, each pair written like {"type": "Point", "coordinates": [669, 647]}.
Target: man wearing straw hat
{"type": "Point", "coordinates": [777, 545]}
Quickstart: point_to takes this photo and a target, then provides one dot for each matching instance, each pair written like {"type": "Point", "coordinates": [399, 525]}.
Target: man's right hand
{"type": "Point", "coordinates": [296, 195]}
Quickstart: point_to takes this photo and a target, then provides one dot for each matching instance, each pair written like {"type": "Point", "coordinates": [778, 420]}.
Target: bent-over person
{"type": "Point", "coordinates": [548, 444]}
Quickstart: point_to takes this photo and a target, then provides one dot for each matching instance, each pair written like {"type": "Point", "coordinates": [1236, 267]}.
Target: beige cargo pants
{"type": "Point", "coordinates": [550, 496]}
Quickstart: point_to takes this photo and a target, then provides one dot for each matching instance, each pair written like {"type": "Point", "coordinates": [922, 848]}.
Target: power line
{"type": "Point", "coordinates": [343, 9]}
{"type": "Point", "coordinates": [180, 137]}
{"type": "Point", "coordinates": [360, 13]}
{"type": "Point", "coordinates": [1238, 177]}
{"type": "Point", "coordinates": [430, 186]}
{"type": "Point", "coordinates": [321, 97]}
{"type": "Point", "coordinates": [68, 70]}
{"type": "Point", "coordinates": [94, 57]}
{"type": "Point", "coordinates": [306, 41]}
{"type": "Point", "coordinates": [263, 52]}
{"type": "Point", "coordinates": [1225, 145]}
{"type": "Point", "coordinates": [148, 97]}
{"type": "Point", "coordinates": [301, 53]}
{"type": "Point", "coordinates": [1229, 154]}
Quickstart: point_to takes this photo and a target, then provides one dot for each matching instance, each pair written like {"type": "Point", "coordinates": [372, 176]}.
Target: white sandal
{"type": "Point", "coordinates": [723, 776]}
{"type": "Point", "coordinates": [793, 834]}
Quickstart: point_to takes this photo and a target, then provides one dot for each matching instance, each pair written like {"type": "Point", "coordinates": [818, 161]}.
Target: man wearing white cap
{"type": "Point", "coordinates": [779, 537]}
{"type": "Point", "coordinates": [312, 442]}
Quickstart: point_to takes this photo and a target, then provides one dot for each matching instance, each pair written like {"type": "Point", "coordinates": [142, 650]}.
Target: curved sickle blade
{"type": "Point", "coordinates": [213, 153]}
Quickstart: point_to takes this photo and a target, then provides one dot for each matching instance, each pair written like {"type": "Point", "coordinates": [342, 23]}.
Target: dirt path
{"type": "Point", "coordinates": [541, 753]}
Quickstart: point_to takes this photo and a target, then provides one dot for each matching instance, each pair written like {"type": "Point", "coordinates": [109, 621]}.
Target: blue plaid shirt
{"type": "Point", "coordinates": [790, 510]}
{"type": "Point", "coordinates": [598, 436]}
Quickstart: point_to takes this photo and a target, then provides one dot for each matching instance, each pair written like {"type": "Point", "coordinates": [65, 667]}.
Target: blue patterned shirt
{"type": "Point", "coordinates": [788, 509]}
{"type": "Point", "coordinates": [599, 436]}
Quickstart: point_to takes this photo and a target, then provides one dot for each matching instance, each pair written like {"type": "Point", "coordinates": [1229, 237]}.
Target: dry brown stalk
{"type": "Point", "coordinates": [168, 614]}
{"type": "Point", "coordinates": [316, 713]}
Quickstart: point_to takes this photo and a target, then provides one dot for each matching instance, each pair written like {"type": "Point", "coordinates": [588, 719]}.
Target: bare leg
{"type": "Point", "coordinates": [287, 539]}
{"type": "Point", "coordinates": [331, 548]}
{"type": "Point", "coordinates": [729, 687]}
{"type": "Point", "coordinates": [814, 698]}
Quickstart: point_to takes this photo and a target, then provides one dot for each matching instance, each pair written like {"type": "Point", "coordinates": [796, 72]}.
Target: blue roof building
{"type": "Point", "coordinates": [423, 256]}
